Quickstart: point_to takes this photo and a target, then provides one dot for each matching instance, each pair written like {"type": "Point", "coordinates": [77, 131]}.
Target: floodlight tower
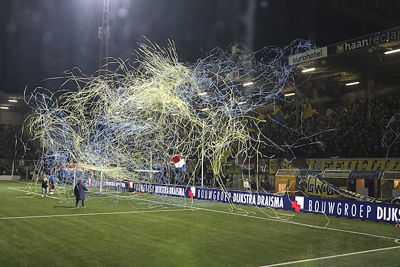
{"type": "Point", "coordinates": [104, 36]}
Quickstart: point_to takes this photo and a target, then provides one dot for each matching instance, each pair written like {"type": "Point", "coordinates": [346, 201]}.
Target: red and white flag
{"type": "Point", "coordinates": [178, 161]}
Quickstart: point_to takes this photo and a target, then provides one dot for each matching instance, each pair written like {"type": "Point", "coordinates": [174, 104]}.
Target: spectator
{"type": "Point", "coordinates": [79, 192]}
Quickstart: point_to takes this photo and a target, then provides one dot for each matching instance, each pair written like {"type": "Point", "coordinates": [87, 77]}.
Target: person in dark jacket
{"type": "Point", "coordinates": [79, 192]}
{"type": "Point", "coordinates": [44, 187]}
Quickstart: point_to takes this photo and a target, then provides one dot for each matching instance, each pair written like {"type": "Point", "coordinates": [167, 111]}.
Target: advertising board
{"type": "Point", "coordinates": [330, 207]}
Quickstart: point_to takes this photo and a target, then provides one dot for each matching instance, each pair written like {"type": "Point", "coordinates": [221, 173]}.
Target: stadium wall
{"type": "Point", "coordinates": [10, 178]}
{"type": "Point", "coordinates": [11, 117]}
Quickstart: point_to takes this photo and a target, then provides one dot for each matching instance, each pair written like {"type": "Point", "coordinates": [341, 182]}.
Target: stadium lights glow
{"type": "Point", "coordinates": [242, 103]}
{"type": "Point", "coordinates": [308, 70]}
{"type": "Point", "coordinates": [392, 51]}
{"type": "Point", "coordinates": [12, 100]}
{"type": "Point", "coordinates": [290, 94]}
{"type": "Point", "coordinates": [248, 84]}
{"type": "Point", "coordinates": [4, 108]}
{"type": "Point", "coordinates": [202, 93]}
{"type": "Point", "coordinates": [352, 83]}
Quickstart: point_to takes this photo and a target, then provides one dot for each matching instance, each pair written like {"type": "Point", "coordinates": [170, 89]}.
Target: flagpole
{"type": "Point", "coordinates": [257, 177]}
{"type": "Point", "coordinates": [74, 174]}
{"type": "Point", "coordinates": [151, 166]}
{"type": "Point", "coordinates": [101, 180]}
{"type": "Point", "coordinates": [249, 173]}
{"type": "Point", "coordinates": [202, 166]}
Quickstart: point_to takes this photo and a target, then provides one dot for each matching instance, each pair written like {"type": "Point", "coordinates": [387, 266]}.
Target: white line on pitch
{"type": "Point", "coordinates": [263, 218]}
{"type": "Point", "coordinates": [275, 220]}
{"type": "Point", "coordinates": [31, 192]}
{"type": "Point", "coordinates": [331, 257]}
{"type": "Point", "coordinates": [303, 224]}
{"type": "Point", "coordinates": [48, 196]}
{"type": "Point", "coordinates": [88, 214]}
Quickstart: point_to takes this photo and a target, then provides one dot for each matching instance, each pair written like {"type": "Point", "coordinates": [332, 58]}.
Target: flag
{"type": "Point", "coordinates": [308, 111]}
{"type": "Point", "coordinates": [178, 161]}
{"type": "Point", "coordinates": [328, 111]}
{"type": "Point", "coordinates": [260, 117]}
{"type": "Point", "coordinates": [277, 115]}
{"type": "Point", "coordinates": [192, 192]}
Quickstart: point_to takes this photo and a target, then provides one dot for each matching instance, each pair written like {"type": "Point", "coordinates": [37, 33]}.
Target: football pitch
{"type": "Point", "coordinates": [148, 230]}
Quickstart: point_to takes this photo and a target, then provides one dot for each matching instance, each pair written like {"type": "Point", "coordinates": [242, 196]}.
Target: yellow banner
{"type": "Point", "coordinates": [315, 187]}
{"type": "Point", "coordinates": [354, 164]}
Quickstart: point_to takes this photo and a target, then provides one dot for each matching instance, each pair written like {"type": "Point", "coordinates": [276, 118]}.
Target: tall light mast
{"type": "Point", "coordinates": [104, 36]}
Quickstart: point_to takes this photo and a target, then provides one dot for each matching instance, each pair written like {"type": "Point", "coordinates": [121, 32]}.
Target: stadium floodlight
{"type": "Point", "coordinates": [4, 108]}
{"type": "Point", "coordinates": [352, 83]}
{"type": "Point", "coordinates": [392, 51]}
{"type": "Point", "coordinates": [308, 70]}
{"type": "Point", "coordinates": [12, 100]}
{"type": "Point", "coordinates": [248, 84]}
{"type": "Point", "coordinates": [290, 94]}
{"type": "Point", "coordinates": [202, 93]}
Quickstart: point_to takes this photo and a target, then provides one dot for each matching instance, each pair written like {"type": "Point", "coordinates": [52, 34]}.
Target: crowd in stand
{"type": "Point", "coordinates": [356, 130]}
{"type": "Point", "coordinates": [13, 143]}
{"type": "Point", "coordinates": [16, 151]}
{"type": "Point", "coordinates": [8, 135]}
{"type": "Point", "coordinates": [362, 129]}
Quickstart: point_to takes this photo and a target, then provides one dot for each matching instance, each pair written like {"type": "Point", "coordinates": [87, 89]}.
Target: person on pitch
{"type": "Point", "coordinates": [79, 192]}
{"type": "Point", "coordinates": [44, 187]}
{"type": "Point", "coordinates": [52, 181]}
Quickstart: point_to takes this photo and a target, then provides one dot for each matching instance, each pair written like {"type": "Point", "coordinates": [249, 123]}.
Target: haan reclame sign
{"type": "Point", "coordinates": [330, 207]}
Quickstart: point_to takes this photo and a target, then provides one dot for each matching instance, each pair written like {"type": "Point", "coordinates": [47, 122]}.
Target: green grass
{"type": "Point", "coordinates": [168, 234]}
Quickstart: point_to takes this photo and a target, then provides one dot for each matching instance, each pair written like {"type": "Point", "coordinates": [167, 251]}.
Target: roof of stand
{"type": "Point", "coordinates": [361, 59]}
{"type": "Point", "coordinates": [13, 102]}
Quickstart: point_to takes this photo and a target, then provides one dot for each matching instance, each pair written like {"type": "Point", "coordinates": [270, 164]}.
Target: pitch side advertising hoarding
{"type": "Point", "coordinates": [349, 209]}
{"type": "Point", "coordinates": [331, 207]}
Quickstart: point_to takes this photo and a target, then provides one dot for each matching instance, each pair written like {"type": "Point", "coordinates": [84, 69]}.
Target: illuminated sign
{"type": "Point", "coordinates": [365, 41]}
{"type": "Point", "coordinates": [308, 56]}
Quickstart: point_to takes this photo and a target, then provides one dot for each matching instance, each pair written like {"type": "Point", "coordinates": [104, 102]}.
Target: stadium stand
{"type": "Point", "coordinates": [354, 132]}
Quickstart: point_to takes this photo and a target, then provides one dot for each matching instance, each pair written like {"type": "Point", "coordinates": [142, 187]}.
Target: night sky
{"type": "Point", "coordinates": [43, 38]}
